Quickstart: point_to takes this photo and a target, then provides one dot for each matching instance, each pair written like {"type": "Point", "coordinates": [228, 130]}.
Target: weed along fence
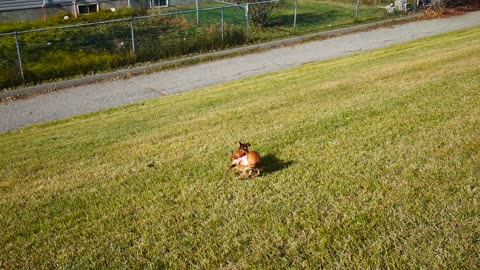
{"type": "Point", "coordinates": [39, 55]}
{"type": "Point", "coordinates": [44, 54]}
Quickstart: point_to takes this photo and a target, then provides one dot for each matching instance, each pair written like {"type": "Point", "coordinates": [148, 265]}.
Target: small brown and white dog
{"type": "Point", "coordinates": [247, 162]}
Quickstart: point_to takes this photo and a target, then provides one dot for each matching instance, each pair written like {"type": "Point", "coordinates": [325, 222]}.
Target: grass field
{"type": "Point", "coordinates": [371, 161]}
{"type": "Point", "coordinates": [316, 16]}
{"type": "Point", "coordinates": [313, 16]}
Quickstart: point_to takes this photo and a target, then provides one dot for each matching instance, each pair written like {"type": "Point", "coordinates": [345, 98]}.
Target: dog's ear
{"type": "Point", "coordinates": [247, 144]}
{"type": "Point", "coordinates": [240, 143]}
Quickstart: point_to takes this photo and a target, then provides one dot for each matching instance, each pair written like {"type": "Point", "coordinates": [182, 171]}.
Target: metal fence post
{"type": "Point", "coordinates": [223, 24]}
{"type": "Point", "coordinates": [356, 10]}
{"type": "Point", "coordinates": [17, 43]}
{"type": "Point", "coordinates": [247, 21]}
{"type": "Point", "coordinates": [295, 16]}
{"type": "Point", "coordinates": [133, 37]}
{"type": "Point", "coordinates": [196, 7]}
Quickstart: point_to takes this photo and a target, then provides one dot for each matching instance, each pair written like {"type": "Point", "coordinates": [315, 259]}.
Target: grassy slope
{"type": "Point", "coordinates": [372, 161]}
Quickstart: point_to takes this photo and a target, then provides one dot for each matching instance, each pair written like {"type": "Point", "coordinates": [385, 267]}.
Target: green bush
{"type": "Point", "coordinates": [63, 64]}
{"type": "Point", "coordinates": [187, 41]}
{"type": "Point", "coordinates": [9, 71]}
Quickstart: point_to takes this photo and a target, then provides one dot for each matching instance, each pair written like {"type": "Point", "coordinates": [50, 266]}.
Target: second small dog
{"type": "Point", "coordinates": [245, 161]}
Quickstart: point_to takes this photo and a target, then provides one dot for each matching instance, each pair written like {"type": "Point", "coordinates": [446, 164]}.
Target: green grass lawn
{"type": "Point", "coordinates": [371, 161]}
{"type": "Point", "coordinates": [315, 16]}
{"type": "Point", "coordinates": [312, 16]}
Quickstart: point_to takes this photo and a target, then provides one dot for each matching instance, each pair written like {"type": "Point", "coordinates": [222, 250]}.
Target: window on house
{"type": "Point", "coordinates": [87, 9]}
{"type": "Point", "coordinates": [158, 3]}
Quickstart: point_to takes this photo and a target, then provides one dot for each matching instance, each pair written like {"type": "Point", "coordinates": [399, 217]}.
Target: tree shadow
{"type": "Point", "coordinates": [272, 164]}
{"type": "Point", "coordinates": [305, 19]}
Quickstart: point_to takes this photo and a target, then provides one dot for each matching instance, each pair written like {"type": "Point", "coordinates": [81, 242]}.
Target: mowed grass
{"type": "Point", "coordinates": [371, 161]}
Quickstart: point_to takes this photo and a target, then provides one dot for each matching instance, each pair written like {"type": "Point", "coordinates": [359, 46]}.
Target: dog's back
{"type": "Point", "coordinates": [253, 159]}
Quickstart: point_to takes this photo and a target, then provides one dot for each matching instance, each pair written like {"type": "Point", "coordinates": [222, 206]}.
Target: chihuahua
{"type": "Point", "coordinates": [245, 161]}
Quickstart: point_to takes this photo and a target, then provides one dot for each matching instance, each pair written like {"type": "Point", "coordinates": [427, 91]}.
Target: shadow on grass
{"type": "Point", "coordinates": [307, 19]}
{"type": "Point", "coordinates": [272, 164]}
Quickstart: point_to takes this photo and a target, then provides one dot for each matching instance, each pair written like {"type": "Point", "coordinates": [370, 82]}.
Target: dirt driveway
{"type": "Point", "coordinates": [95, 97]}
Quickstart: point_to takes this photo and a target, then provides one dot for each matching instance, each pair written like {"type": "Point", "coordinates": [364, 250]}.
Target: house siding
{"type": "Point", "coordinates": [31, 10]}
{"type": "Point", "coordinates": [6, 5]}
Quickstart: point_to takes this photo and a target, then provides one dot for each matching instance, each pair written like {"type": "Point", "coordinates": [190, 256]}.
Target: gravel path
{"type": "Point", "coordinates": [94, 97]}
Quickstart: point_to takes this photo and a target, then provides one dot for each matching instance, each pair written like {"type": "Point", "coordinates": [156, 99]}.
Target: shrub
{"type": "Point", "coordinates": [63, 64]}
{"type": "Point", "coordinates": [258, 12]}
{"type": "Point", "coordinates": [442, 4]}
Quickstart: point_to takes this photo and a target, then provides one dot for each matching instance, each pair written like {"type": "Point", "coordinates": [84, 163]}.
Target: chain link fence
{"type": "Point", "coordinates": [47, 54]}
